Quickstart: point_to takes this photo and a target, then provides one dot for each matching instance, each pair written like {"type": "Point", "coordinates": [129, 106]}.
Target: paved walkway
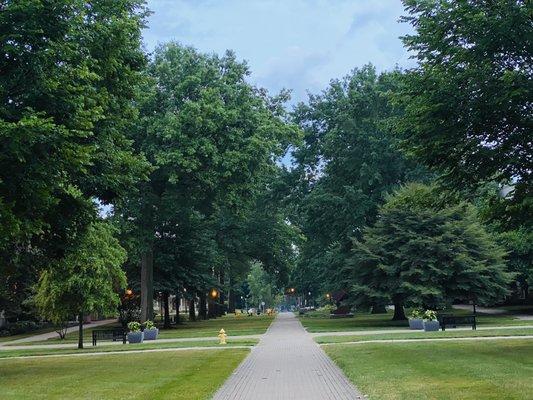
{"type": "Point", "coordinates": [287, 365]}
{"type": "Point", "coordinates": [53, 334]}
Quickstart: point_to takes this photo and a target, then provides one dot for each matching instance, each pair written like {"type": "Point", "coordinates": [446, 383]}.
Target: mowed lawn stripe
{"type": "Point", "coordinates": [185, 375]}
{"type": "Point", "coordinates": [496, 369]}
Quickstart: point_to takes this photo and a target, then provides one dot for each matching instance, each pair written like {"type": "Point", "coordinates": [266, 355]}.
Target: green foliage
{"type": "Point", "coordinates": [86, 280]}
{"type": "Point", "coordinates": [149, 325]}
{"type": "Point", "coordinates": [519, 246]}
{"type": "Point", "coordinates": [416, 313]}
{"type": "Point", "coordinates": [70, 71]}
{"type": "Point", "coordinates": [261, 286]}
{"type": "Point", "coordinates": [430, 315]}
{"type": "Point", "coordinates": [423, 255]}
{"type": "Point", "coordinates": [134, 326]}
{"type": "Point", "coordinates": [347, 164]}
{"type": "Point", "coordinates": [212, 140]}
{"type": "Point", "coordinates": [468, 103]}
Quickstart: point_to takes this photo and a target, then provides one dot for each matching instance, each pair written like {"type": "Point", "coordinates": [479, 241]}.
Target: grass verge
{"type": "Point", "coordinates": [123, 348]}
{"type": "Point", "coordinates": [187, 375]}
{"type": "Point", "coordinates": [319, 322]}
{"type": "Point", "coordinates": [439, 371]}
{"type": "Point", "coordinates": [234, 326]}
{"type": "Point", "coordinates": [425, 335]}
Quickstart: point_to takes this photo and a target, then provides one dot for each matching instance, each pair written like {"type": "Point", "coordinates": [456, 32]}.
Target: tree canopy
{"type": "Point", "coordinates": [421, 254]}
{"type": "Point", "coordinates": [69, 77]}
{"type": "Point", "coordinates": [87, 280]}
{"type": "Point", "coordinates": [468, 102]}
{"type": "Point", "coordinates": [347, 164]}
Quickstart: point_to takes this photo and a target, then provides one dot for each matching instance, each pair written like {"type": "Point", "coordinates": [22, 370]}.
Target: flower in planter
{"type": "Point", "coordinates": [134, 326]}
{"type": "Point", "coordinates": [149, 325]}
{"type": "Point", "coordinates": [415, 320]}
{"type": "Point", "coordinates": [430, 315]}
{"type": "Point", "coordinates": [150, 331]}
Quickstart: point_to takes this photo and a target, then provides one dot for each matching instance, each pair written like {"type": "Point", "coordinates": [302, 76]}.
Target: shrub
{"type": "Point", "coordinates": [416, 313]}
{"type": "Point", "coordinates": [430, 315]}
{"type": "Point", "coordinates": [134, 326]}
{"type": "Point", "coordinates": [129, 310]}
{"type": "Point", "coordinates": [149, 325]}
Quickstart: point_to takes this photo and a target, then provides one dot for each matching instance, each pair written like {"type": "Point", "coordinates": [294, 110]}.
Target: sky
{"type": "Point", "coordinates": [293, 44]}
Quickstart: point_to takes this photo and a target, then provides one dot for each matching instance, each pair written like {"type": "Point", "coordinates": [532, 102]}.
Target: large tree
{"type": "Point", "coordinates": [346, 165]}
{"type": "Point", "coordinates": [70, 70]}
{"type": "Point", "coordinates": [88, 279]}
{"type": "Point", "coordinates": [469, 101]}
{"type": "Point", "coordinates": [211, 138]}
{"type": "Point", "coordinates": [424, 254]}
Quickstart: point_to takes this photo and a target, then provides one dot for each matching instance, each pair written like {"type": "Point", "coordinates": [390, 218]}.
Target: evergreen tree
{"type": "Point", "coordinates": [420, 254]}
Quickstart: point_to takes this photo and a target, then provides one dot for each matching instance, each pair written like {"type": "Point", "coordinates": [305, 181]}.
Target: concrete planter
{"type": "Point", "coordinates": [151, 334]}
{"type": "Point", "coordinates": [416, 323]}
{"type": "Point", "coordinates": [135, 337]}
{"type": "Point", "coordinates": [431, 326]}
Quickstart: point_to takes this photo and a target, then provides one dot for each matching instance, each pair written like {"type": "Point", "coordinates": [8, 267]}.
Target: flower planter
{"type": "Point", "coordinates": [135, 337]}
{"type": "Point", "coordinates": [416, 323]}
{"type": "Point", "coordinates": [431, 326]}
{"type": "Point", "coordinates": [151, 334]}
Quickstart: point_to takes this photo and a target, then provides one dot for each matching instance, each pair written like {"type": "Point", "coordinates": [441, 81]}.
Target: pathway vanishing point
{"type": "Point", "coordinates": [287, 365]}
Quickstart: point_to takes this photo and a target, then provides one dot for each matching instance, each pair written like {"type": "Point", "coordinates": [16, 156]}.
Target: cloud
{"type": "Point", "coordinates": [297, 44]}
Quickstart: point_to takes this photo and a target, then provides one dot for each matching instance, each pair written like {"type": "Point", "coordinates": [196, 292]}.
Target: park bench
{"type": "Point", "coordinates": [341, 312]}
{"type": "Point", "coordinates": [109, 334]}
{"type": "Point", "coordinates": [454, 320]}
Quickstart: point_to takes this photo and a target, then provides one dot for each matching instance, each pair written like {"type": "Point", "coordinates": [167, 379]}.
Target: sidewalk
{"type": "Point", "coordinates": [3, 346]}
{"type": "Point", "coordinates": [53, 334]}
{"type": "Point", "coordinates": [287, 365]}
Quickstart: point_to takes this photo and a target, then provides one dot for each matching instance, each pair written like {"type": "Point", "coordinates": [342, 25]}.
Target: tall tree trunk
{"type": "Point", "coordinates": [80, 331]}
{"type": "Point", "coordinates": [177, 307]}
{"type": "Point", "coordinates": [379, 309]}
{"type": "Point", "coordinates": [192, 311]}
{"type": "Point", "coordinates": [166, 323]}
{"type": "Point", "coordinates": [399, 312]}
{"type": "Point", "coordinates": [211, 308]}
{"type": "Point", "coordinates": [231, 300]}
{"type": "Point", "coordinates": [222, 297]}
{"type": "Point", "coordinates": [147, 285]}
{"type": "Point", "coordinates": [202, 312]}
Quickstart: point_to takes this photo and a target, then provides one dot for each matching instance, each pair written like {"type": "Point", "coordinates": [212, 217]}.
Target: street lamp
{"type": "Point", "coordinates": [213, 293]}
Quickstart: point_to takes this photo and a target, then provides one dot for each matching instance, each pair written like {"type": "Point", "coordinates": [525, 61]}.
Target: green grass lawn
{"type": "Point", "coordinates": [186, 375]}
{"type": "Point", "coordinates": [319, 322]}
{"type": "Point", "coordinates": [234, 326]}
{"type": "Point", "coordinates": [126, 347]}
{"type": "Point", "coordinates": [451, 333]}
{"type": "Point", "coordinates": [439, 371]}
{"type": "Point", "coordinates": [25, 335]}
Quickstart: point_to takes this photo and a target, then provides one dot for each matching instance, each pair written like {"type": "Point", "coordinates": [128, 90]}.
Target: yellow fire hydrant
{"type": "Point", "coordinates": [222, 336]}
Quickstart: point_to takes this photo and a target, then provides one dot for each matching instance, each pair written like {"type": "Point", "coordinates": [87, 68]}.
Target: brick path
{"type": "Point", "coordinates": [287, 365]}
